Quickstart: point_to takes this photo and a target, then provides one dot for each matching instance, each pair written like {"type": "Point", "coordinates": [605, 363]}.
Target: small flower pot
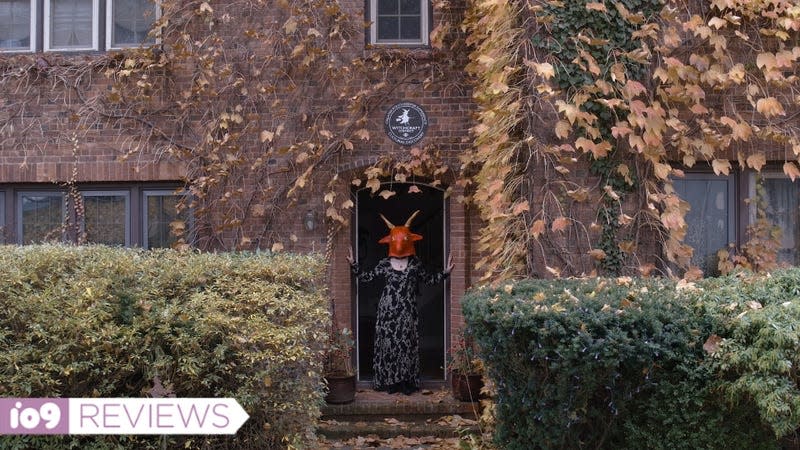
{"type": "Point", "coordinates": [341, 389]}
{"type": "Point", "coordinates": [466, 388]}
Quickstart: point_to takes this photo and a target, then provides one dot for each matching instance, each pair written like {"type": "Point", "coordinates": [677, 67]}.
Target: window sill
{"type": "Point", "coordinates": [419, 52]}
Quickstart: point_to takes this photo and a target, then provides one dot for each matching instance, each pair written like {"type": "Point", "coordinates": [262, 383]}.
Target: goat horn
{"type": "Point", "coordinates": [388, 224]}
{"type": "Point", "coordinates": [408, 222]}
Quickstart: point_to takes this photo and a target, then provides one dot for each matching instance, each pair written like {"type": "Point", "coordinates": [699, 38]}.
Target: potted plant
{"type": "Point", "coordinates": [466, 371]}
{"type": "Point", "coordinates": [339, 374]}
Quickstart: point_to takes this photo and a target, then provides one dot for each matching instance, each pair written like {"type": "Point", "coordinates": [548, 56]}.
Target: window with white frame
{"type": "Point", "coordinates": [399, 22]}
{"type": "Point", "coordinates": [128, 22]}
{"type": "Point", "coordinates": [75, 25]}
{"type": "Point", "coordinates": [71, 24]}
{"type": "Point", "coordinates": [17, 25]}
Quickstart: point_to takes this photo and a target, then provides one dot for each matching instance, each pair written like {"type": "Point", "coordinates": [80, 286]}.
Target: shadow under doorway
{"type": "Point", "coordinates": [430, 223]}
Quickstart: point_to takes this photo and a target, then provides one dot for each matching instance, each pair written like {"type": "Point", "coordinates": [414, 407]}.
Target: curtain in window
{"type": "Point", "coordinates": [15, 24]}
{"type": "Point", "coordinates": [783, 209]}
{"type": "Point", "coordinates": [71, 23]}
{"type": "Point", "coordinates": [132, 20]}
{"type": "Point", "coordinates": [708, 221]}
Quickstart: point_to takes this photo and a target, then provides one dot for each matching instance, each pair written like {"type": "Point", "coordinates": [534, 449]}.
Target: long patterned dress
{"type": "Point", "coordinates": [396, 336]}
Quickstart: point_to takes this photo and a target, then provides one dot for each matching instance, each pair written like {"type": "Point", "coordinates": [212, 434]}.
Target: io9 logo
{"type": "Point", "coordinates": [30, 418]}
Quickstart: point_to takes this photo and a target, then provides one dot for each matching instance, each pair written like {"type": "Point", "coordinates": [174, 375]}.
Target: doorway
{"type": "Point", "coordinates": [431, 250]}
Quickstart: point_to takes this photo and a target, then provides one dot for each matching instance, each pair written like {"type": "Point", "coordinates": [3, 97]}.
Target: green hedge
{"type": "Point", "coordinates": [620, 363]}
{"type": "Point", "coordinates": [104, 322]}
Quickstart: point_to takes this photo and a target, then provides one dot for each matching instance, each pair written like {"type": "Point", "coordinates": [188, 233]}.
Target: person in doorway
{"type": "Point", "coordinates": [396, 362]}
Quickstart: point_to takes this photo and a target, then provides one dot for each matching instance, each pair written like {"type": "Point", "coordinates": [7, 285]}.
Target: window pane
{"type": "Point", "coordinates": [410, 7]}
{"type": "Point", "coordinates": [388, 28]}
{"type": "Point", "coordinates": [15, 24]}
{"type": "Point", "coordinates": [105, 219]}
{"type": "Point", "coordinates": [161, 212]}
{"type": "Point", "coordinates": [71, 23]}
{"type": "Point", "coordinates": [783, 209]}
{"type": "Point", "coordinates": [387, 7]}
{"type": "Point", "coordinates": [409, 27]}
{"type": "Point", "coordinates": [132, 21]}
{"type": "Point", "coordinates": [41, 217]}
{"type": "Point", "coordinates": [708, 220]}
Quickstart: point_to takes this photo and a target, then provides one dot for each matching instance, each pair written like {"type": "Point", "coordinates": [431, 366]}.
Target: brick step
{"type": "Point", "coordinates": [444, 427]}
{"type": "Point", "coordinates": [378, 414]}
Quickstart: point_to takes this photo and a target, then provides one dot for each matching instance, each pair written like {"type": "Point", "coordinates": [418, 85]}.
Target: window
{"type": "Point", "coordinates": [160, 217]}
{"type": "Point", "coordinates": [17, 25]}
{"type": "Point", "coordinates": [40, 217]}
{"type": "Point", "coordinates": [70, 24]}
{"type": "Point", "coordinates": [711, 219]}
{"type": "Point", "coordinates": [135, 214]}
{"type": "Point", "coordinates": [399, 22]}
{"type": "Point", "coordinates": [782, 201]}
{"type": "Point", "coordinates": [128, 22]}
{"type": "Point", "coordinates": [105, 218]}
{"type": "Point", "coordinates": [75, 25]}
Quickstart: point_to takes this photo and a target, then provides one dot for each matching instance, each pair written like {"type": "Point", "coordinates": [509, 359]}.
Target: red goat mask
{"type": "Point", "coordinates": [400, 239]}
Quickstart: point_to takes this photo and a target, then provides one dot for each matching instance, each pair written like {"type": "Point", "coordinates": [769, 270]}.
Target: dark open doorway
{"type": "Point", "coordinates": [430, 223]}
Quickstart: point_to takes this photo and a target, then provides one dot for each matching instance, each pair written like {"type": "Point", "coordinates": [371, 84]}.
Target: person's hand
{"type": "Point", "coordinates": [350, 255]}
{"type": "Point", "coordinates": [450, 265]}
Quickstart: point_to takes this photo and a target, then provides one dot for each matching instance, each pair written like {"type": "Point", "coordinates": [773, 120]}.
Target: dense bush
{"type": "Point", "coordinates": [605, 363]}
{"type": "Point", "coordinates": [104, 322]}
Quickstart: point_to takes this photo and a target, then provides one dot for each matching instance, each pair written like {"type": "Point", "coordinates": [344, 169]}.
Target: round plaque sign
{"type": "Point", "coordinates": [405, 123]}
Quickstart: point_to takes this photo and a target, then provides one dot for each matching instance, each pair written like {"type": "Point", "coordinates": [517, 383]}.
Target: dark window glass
{"type": "Point", "coordinates": [410, 7]}
{"type": "Point", "coordinates": [710, 219]}
{"type": "Point", "coordinates": [105, 219]}
{"type": "Point", "coordinates": [162, 217]}
{"type": "Point", "coordinates": [409, 27]}
{"type": "Point", "coordinates": [132, 22]}
{"type": "Point", "coordinates": [41, 217]}
{"type": "Point", "coordinates": [388, 28]}
{"type": "Point", "coordinates": [387, 7]}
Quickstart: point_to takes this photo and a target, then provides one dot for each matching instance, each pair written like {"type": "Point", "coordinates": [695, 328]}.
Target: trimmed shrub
{"type": "Point", "coordinates": [605, 363]}
{"type": "Point", "coordinates": [105, 322]}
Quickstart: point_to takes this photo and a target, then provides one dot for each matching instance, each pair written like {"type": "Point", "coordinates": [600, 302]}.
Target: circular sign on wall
{"type": "Point", "coordinates": [405, 123]}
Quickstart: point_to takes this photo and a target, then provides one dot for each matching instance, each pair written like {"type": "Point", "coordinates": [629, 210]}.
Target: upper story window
{"type": "Point", "coordinates": [75, 25]}
{"type": "Point", "coordinates": [17, 25]}
{"type": "Point", "coordinates": [399, 22]}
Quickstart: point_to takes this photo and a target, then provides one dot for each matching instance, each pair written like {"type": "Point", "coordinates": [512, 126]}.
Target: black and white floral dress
{"type": "Point", "coordinates": [396, 336]}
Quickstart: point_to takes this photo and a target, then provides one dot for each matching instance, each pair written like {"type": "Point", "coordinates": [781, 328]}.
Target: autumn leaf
{"type": "Point", "coordinates": [537, 228]}
{"type": "Point", "coordinates": [790, 169]}
{"type": "Point", "coordinates": [347, 204]}
{"type": "Point", "coordinates": [276, 247]}
{"type": "Point", "coordinates": [414, 189]}
{"type": "Point", "coordinates": [721, 166]}
{"type": "Point", "coordinates": [560, 224]}
{"type": "Point", "coordinates": [374, 185]}
{"type": "Point", "coordinates": [757, 161]}
{"type": "Point", "coordinates": [597, 254]}
{"type": "Point", "coordinates": [386, 194]}
{"type": "Point", "coordinates": [521, 207]}
{"type": "Point", "coordinates": [596, 6]}
{"type": "Point", "coordinates": [712, 344]}
{"type": "Point", "coordinates": [362, 134]}
{"type": "Point", "coordinates": [266, 136]}
{"type": "Point", "coordinates": [769, 107]}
